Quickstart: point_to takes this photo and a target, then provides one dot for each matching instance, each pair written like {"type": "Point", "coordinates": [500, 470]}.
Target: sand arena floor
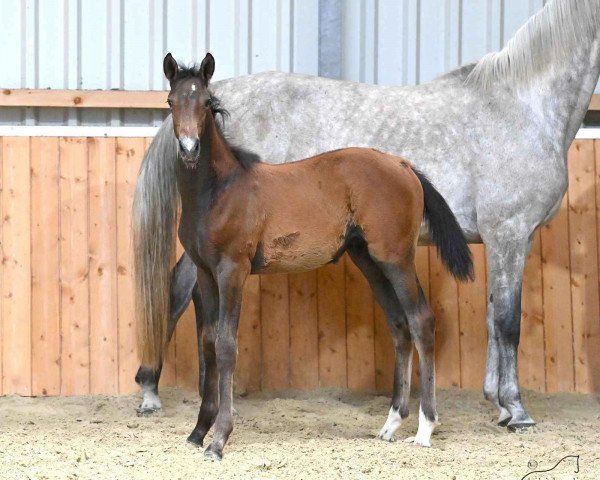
{"type": "Point", "coordinates": [325, 434]}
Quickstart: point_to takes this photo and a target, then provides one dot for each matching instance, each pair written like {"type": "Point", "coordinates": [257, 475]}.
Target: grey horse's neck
{"type": "Point", "coordinates": [561, 96]}
{"type": "Point", "coordinates": [552, 64]}
{"type": "Point", "coordinates": [588, 79]}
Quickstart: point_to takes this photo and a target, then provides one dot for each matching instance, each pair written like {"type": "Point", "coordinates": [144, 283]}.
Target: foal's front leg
{"type": "Point", "coordinates": [210, 393]}
{"type": "Point", "coordinates": [230, 279]}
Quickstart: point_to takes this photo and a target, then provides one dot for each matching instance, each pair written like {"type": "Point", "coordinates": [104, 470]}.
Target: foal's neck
{"type": "Point", "coordinates": [216, 165]}
{"type": "Point", "coordinates": [216, 153]}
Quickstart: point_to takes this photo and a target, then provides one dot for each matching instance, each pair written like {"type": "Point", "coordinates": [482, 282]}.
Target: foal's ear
{"type": "Point", "coordinates": [170, 67]}
{"type": "Point", "coordinates": [207, 67]}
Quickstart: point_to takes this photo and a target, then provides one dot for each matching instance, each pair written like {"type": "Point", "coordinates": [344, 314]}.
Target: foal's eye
{"type": "Point", "coordinates": [170, 103]}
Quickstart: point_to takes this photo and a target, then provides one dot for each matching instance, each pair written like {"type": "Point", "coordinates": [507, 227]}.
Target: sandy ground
{"type": "Point", "coordinates": [325, 434]}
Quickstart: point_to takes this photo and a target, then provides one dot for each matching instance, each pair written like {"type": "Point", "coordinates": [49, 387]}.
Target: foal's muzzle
{"type": "Point", "coordinates": [189, 150]}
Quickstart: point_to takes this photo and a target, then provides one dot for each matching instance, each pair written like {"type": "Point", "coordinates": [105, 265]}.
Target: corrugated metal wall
{"type": "Point", "coordinates": [104, 44]}
{"type": "Point", "coordinates": [410, 41]}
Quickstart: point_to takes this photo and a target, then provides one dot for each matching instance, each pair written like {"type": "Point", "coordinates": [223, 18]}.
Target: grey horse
{"type": "Point", "coordinates": [492, 136]}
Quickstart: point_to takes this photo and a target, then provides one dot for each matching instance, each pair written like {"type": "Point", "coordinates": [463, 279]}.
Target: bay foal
{"type": "Point", "coordinates": [240, 217]}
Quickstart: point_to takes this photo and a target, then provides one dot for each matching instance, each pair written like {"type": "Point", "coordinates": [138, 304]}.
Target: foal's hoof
{"type": "Point", "coordinates": [146, 411]}
{"type": "Point", "coordinates": [386, 435]}
{"type": "Point", "coordinates": [421, 442]}
{"type": "Point", "coordinates": [196, 439]}
{"type": "Point", "coordinates": [211, 453]}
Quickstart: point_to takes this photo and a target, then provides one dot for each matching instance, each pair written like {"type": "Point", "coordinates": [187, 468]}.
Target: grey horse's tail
{"type": "Point", "coordinates": [155, 208]}
{"type": "Point", "coordinates": [445, 232]}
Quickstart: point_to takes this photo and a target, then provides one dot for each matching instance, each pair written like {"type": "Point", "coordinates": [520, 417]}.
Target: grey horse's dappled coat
{"type": "Point", "coordinates": [492, 137]}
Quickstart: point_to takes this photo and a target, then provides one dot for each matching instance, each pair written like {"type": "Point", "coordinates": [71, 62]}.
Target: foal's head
{"type": "Point", "coordinates": [190, 103]}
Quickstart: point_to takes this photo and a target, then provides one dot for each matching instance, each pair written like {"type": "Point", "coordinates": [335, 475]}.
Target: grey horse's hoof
{"type": "Point", "coordinates": [212, 454]}
{"type": "Point", "coordinates": [520, 427]}
{"type": "Point", "coordinates": [504, 422]}
{"type": "Point", "coordinates": [146, 411]}
{"type": "Point", "coordinates": [520, 423]}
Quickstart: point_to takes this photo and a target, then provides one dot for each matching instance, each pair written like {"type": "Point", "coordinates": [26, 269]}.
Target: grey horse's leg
{"type": "Point", "coordinates": [210, 392]}
{"type": "Point", "coordinates": [398, 324]}
{"type": "Point", "coordinates": [422, 329]}
{"type": "Point", "coordinates": [183, 280]}
{"type": "Point", "coordinates": [506, 262]}
{"type": "Point", "coordinates": [490, 386]}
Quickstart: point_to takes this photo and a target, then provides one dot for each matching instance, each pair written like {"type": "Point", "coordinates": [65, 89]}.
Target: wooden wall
{"type": "Point", "coordinates": [67, 325]}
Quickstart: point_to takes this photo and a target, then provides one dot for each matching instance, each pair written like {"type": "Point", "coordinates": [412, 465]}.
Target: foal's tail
{"type": "Point", "coordinates": [445, 232]}
{"type": "Point", "coordinates": [155, 207]}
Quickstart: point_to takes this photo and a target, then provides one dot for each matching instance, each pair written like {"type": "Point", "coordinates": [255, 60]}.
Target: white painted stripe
{"type": "Point", "coordinates": [75, 131]}
{"type": "Point", "coordinates": [107, 131]}
{"type": "Point", "coordinates": [588, 134]}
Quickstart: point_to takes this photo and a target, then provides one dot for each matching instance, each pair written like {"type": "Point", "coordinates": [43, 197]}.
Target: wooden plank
{"type": "Point", "coordinates": [104, 340]}
{"type": "Point", "coordinates": [594, 340]}
{"type": "Point", "coordinates": [583, 241]}
{"type": "Point", "coordinates": [472, 306]}
{"type": "Point", "coordinates": [248, 368]}
{"type": "Point", "coordinates": [532, 357]}
{"type": "Point", "coordinates": [304, 332]}
{"type": "Point", "coordinates": [168, 376]}
{"type": "Point", "coordinates": [107, 98]}
{"type": "Point", "coordinates": [186, 349]}
{"type": "Point", "coordinates": [128, 157]}
{"type": "Point", "coordinates": [557, 302]}
{"type": "Point", "coordinates": [74, 266]}
{"type": "Point", "coordinates": [45, 267]}
{"type": "Point", "coordinates": [16, 278]}
{"type": "Point", "coordinates": [1, 274]}
{"type": "Point", "coordinates": [332, 326]}
{"type": "Point", "coordinates": [384, 351]}
{"type": "Point", "coordinates": [360, 346]}
{"type": "Point", "coordinates": [83, 98]}
{"type": "Point", "coordinates": [444, 303]}
{"type": "Point", "coordinates": [422, 266]}
{"type": "Point", "coordinates": [275, 324]}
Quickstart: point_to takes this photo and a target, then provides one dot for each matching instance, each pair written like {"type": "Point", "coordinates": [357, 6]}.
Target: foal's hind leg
{"type": "Point", "coordinates": [386, 297]}
{"type": "Point", "coordinates": [183, 280]}
{"type": "Point", "coordinates": [422, 328]}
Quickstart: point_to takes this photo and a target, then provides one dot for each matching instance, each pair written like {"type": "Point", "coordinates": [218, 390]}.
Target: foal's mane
{"type": "Point", "coordinates": [245, 158]}
{"type": "Point", "coordinates": [548, 37]}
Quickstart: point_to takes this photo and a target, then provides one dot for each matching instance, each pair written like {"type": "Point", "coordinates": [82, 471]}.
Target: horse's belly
{"type": "Point", "coordinates": [294, 263]}
{"type": "Point", "coordinates": [298, 252]}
